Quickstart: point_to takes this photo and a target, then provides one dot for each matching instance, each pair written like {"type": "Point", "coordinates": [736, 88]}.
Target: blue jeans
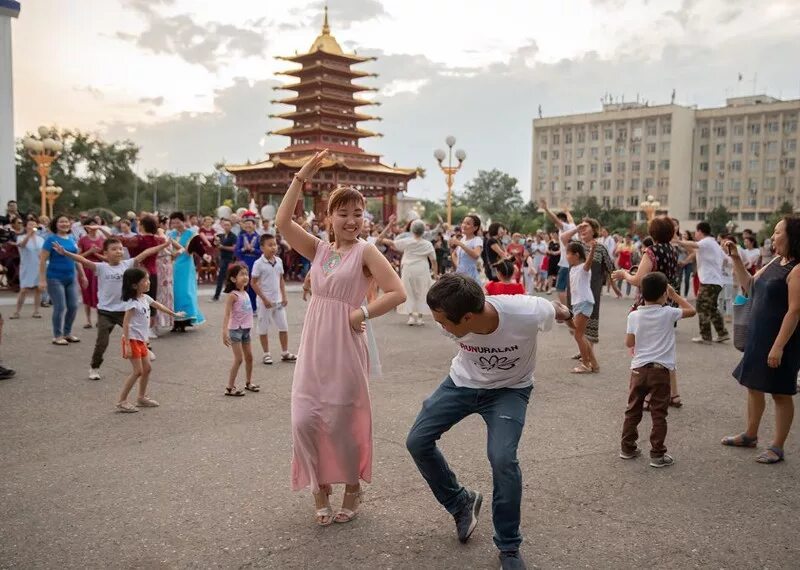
{"type": "Point", "coordinates": [64, 296]}
{"type": "Point", "coordinates": [503, 410]}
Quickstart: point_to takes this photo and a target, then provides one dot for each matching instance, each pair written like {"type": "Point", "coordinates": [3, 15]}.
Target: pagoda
{"type": "Point", "coordinates": [325, 117]}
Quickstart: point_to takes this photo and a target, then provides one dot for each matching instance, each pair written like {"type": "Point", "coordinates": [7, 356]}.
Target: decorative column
{"type": "Point", "coordinates": [8, 181]}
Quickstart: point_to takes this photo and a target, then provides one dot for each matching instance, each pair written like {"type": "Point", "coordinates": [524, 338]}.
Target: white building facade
{"type": "Point", "coordinates": [8, 181]}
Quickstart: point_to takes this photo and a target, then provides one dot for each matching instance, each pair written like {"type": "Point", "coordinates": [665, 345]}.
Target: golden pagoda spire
{"type": "Point", "coordinates": [325, 41]}
{"type": "Point", "coordinates": [326, 29]}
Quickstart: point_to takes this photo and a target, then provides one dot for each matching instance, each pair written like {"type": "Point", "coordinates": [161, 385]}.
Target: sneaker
{"type": "Point", "coordinates": [411, 321]}
{"type": "Point", "coordinates": [467, 518]}
{"type": "Point", "coordinates": [723, 338]}
{"type": "Point", "coordinates": [213, 299]}
{"type": "Point", "coordinates": [151, 354]}
{"type": "Point", "coordinates": [152, 333]}
{"type": "Point", "coordinates": [126, 408]}
{"type": "Point", "coordinates": [267, 359]}
{"type": "Point", "coordinates": [511, 560]}
{"type": "Point", "coordinates": [419, 321]}
{"type": "Point", "coordinates": [663, 461]}
{"type": "Point", "coordinates": [700, 340]}
{"type": "Point", "coordinates": [6, 373]}
{"type": "Point", "coordinates": [632, 455]}
{"type": "Point", "coordinates": [94, 374]}
{"type": "Point", "coordinates": [146, 403]}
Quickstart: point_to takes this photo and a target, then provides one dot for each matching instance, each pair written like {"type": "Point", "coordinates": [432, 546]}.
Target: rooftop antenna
{"type": "Point", "coordinates": [672, 99]}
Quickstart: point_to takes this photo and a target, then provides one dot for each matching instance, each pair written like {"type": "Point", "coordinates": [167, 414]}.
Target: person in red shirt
{"type": "Point", "coordinates": [91, 247]}
{"type": "Point", "coordinates": [505, 269]}
{"type": "Point", "coordinates": [516, 250]}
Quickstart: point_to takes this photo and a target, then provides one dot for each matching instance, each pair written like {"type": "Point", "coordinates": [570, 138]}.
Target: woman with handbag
{"type": "Point", "coordinates": [771, 357]}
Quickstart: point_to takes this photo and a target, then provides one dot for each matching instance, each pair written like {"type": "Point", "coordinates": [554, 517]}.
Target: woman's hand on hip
{"type": "Point", "coordinates": [357, 321]}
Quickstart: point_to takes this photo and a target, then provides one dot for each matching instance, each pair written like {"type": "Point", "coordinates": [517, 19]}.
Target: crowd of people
{"type": "Point", "coordinates": [486, 288]}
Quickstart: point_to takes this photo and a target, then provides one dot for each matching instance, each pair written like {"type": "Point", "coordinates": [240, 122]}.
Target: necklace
{"type": "Point", "coordinates": [332, 262]}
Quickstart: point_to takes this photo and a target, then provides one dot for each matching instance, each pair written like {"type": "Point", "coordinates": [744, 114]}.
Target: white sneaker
{"type": "Point", "coordinates": [700, 340]}
{"type": "Point", "coordinates": [411, 320]}
{"type": "Point", "coordinates": [152, 333]}
{"type": "Point", "coordinates": [94, 374]}
{"type": "Point", "coordinates": [419, 322]}
{"type": "Point", "coordinates": [151, 354]}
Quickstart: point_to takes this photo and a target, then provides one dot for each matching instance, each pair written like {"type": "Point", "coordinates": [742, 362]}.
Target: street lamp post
{"type": "Point", "coordinates": [450, 170]}
{"type": "Point", "coordinates": [201, 180]}
{"type": "Point", "coordinates": [52, 192]}
{"type": "Point", "coordinates": [650, 207]}
{"type": "Point", "coordinates": [43, 151]}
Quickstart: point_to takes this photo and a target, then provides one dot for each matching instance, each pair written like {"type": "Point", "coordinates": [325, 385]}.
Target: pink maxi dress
{"type": "Point", "coordinates": [331, 410]}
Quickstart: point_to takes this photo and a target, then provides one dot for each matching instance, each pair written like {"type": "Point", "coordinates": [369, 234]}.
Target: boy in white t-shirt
{"type": "Point", "coordinates": [266, 279]}
{"type": "Point", "coordinates": [651, 333]}
{"type": "Point", "coordinates": [492, 375]}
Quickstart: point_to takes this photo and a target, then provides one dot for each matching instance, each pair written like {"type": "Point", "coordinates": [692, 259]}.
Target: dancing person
{"type": "Point", "coordinates": [184, 275]}
{"type": "Point", "coordinates": [467, 252]}
{"type": "Point", "coordinates": [135, 326]}
{"type": "Point", "coordinates": [661, 256]}
{"type": "Point", "coordinates": [236, 326]}
{"type": "Point", "coordinates": [266, 279]}
{"type": "Point", "coordinates": [165, 292]}
{"type": "Point", "coordinates": [226, 243]}
{"type": "Point", "coordinates": [650, 333]}
{"type": "Point", "coordinates": [553, 257]}
{"type": "Point", "coordinates": [771, 359]}
{"type": "Point", "coordinates": [493, 248]}
{"type": "Point", "coordinates": [90, 246]}
{"type": "Point", "coordinates": [492, 375]}
{"type": "Point", "coordinates": [30, 246]}
{"type": "Point", "coordinates": [710, 259]}
{"type": "Point", "coordinates": [110, 305]}
{"type": "Point", "coordinates": [331, 414]}
{"type": "Point", "coordinates": [751, 255]}
{"type": "Point", "coordinates": [686, 261]}
{"type": "Point", "coordinates": [583, 300]}
{"type": "Point", "coordinates": [564, 223]}
{"type": "Point", "coordinates": [505, 269]}
{"type": "Point", "coordinates": [624, 260]}
{"type": "Point", "coordinates": [58, 272]}
{"type": "Point", "coordinates": [417, 266]}
{"type": "Point", "coordinates": [516, 252]}
{"type": "Point", "coordinates": [247, 249]}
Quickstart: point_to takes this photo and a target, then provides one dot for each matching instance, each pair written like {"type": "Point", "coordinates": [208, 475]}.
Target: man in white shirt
{"type": "Point", "coordinates": [491, 375]}
{"type": "Point", "coordinates": [710, 261]}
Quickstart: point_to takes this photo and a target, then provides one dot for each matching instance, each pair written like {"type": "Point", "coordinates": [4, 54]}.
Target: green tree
{"type": "Point", "coordinates": [717, 219]}
{"type": "Point", "coordinates": [493, 193]}
{"type": "Point", "coordinates": [769, 223]}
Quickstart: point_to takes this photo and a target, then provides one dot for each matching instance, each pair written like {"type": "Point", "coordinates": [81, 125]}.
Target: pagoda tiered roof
{"type": "Point", "coordinates": [296, 163]}
{"type": "Point", "coordinates": [326, 112]}
{"type": "Point", "coordinates": [306, 129]}
{"type": "Point", "coordinates": [323, 66]}
{"type": "Point", "coordinates": [318, 96]}
{"type": "Point", "coordinates": [315, 81]}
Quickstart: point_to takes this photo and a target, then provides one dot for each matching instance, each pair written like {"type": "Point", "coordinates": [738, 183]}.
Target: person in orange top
{"type": "Point", "coordinates": [505, 269]}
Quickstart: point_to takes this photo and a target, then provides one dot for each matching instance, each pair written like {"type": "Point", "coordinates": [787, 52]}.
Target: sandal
{"type": "Point", "coordinates": [770, 455]}
{"type": "Point", "coordinates": [741, 440]}
{"type": "Point", "coordinates": [267, 359]}
{"type": "Point", "coordinates": [36, 316]}
{"type": "Point", "coordinates": [288, 357]}
{"type": "Point", "coordinates": [346, 515]}
{"type": "Point", "coordinates": [577, 356]}
{"type": "Point", "coordinates": [581, 369]}
{"type": "Point", "coordinates": [675, 404]}
{"type": "Point", "coordinates": [325, 516]}
{"type": "Point", "coordinates": [14, 317]}
{"type": "Point", "coordinates": [87, 326]}
{"type": "Point", "coordinates": [60, 341]}
{"type": "Point", "coordinates": [252, 387]}
{"type": "Point", "coordinates": [234, 391]}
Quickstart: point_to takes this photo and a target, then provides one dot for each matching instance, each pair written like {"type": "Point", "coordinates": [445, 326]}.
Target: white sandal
{"type": "Point", "coordinates": [325, 512]}
{"type": "Point", "coordinates": [346, 514]}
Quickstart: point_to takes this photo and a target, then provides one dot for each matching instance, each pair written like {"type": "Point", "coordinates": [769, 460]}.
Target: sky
{"type": "Point", "coordinates": [191, 82]}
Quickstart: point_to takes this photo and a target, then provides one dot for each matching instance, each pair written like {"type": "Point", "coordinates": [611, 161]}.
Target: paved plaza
{"type": "Point", "coordinates": [203, 481]}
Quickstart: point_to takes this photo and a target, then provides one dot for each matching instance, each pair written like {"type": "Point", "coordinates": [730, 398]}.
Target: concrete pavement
{"type": "Point", "coordinates": [203, 481]}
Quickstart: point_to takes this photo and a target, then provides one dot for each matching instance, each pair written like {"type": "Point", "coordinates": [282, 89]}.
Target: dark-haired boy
{"type": "Point", "coordinates": [110, 306]}
{"type": "Point", "coordinates": [266, 279]}
{"type": "Point", "coordinates": [651, 333]}
{"type": "Point", "coordinates": [492, 375]}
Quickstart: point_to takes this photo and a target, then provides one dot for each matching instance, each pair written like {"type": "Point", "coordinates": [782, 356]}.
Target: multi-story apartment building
{"type": "Point", "coordinates": [689, 160]}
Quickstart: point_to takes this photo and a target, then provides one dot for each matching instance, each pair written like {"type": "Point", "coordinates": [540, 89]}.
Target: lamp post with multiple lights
{"type": "Point", "coordinates": [650, 207]}
{"type": "Point", "coordinates": [44, 151]}
{"type": "Point", "coordinates": [450, 171]}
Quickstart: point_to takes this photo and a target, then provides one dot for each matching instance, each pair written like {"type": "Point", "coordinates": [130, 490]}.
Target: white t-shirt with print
{"type": "Point", "coordinates": [109, 285]}
{"type": "Point", "coordinates": [505, 358]}
{"type": "Point", "coordinates": [139, 325]}
{"type": "Point", "coordinates": [653, 327]}
{"type": "Point", "coordinates": [268, 274]}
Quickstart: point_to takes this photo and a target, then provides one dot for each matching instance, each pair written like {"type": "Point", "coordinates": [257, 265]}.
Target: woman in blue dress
{"type": "Point", "coordinates": [467, 252]}
{"type": "Point", "coordinates": [184, 275]}
{"type": "Point", "coordinates": [771, 357]}
{"type": "Point", "coordinates": [30, 246]}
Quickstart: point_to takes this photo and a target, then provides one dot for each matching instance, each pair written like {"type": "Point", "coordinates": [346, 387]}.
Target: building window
{"type": "Point", "coordinates": [773, 127]}
{"type": "Point", "coordinates": [581, 136]}
{"type": "Point", "coordinates": [581, 169]}
{"type": "Point", "coordinates": [621, 167]}
{"type": "Point", "coordinates": [754, 128]}
{"type": "Point", "coordinates": [543, 138]}
{"type": "Point", "coordinates": [789, 127]}
{"type": "Point", "coordinates": [595, 135]}
{"type": "Point", "coordinates": [543, 155]}
{"type": "Point", "coordinates": [567, 170]}
{"type": "Point", "coordinates": [542, 170]}
{"type": "Point", "coordinates": [737, 148]}
{"type": "Point", "coordinates": [733, 201]}
{"type": "Point", "coordinates": [635, 165]}
{"type": "Point", "coordinates": [754, 164]}
{"type": "Point", "coordinates": [736, 165]}
{"type": "Point", "coordinates": [651, 130]}
{"type": "Point", "coordinates": [637, 133]}
{"type": "Point", "coordinates": [607, 151]}
{"type": "Point", "coordinates": [720, 149]}
{"type": "Point", "coordinates": [749, 216]}
{"type": "Point", "coordinates": [752, 185]}
{"type": "Point", "coordinates": [605, 184]}
{"type": "Point", "coordinates": [580, 185]}
{"type": "Point", "coordinates": [736, 185]}
{"type": "Point", "coordinates": [556, 139]}
{"type": "Point", "coordinates": [592, 185]}
{"type": "Point", "coordinates": [738, 130]}
{"type": "Point", "coordinates": [665, 148]}
{"type": "Point", "coordinates": [636, 149]}
{"type": "Point", "coordinates": [651, 148]}
{"type": "Point", "coordinates": [663, 182]}
{"type": "Point", "coordinates": [665, 164]}
{"type": "Point", "coordinates": [703, 150]}
{"type": "Point", "coordinates": [666, 128]}
{"type": "Point", "coordinates": [704, 132]}
{"type": "Point", "coordinates": [720, 165]}
{"type": "Point", "coordinates": [620, 184]}
{"type": "Point", "coordinates": [703, 167]}
{"type": "Point", "coordinates": [553, 187]}
{"type": "Point", "coordinates": [568, 154]}
{"type": "Point", "coordinates": [721, 132]}
{"type": "Point", "coordinates": [648, 183]}
{"type": "Point", "coordinates": [633, 201]}
{"type": "Point", "coordinates": [772, 165]}
{"type": "Point", "coordinates": [790, 164]}
{"type": "Point", "coordinates": [702, 202]}
{"type": "Point", "coordinates": [567, 138]}
{"type": "Point", "coordinates": [651, 165]}
{"type": "Point", "coordinates": [635, 184]}
{"type": "Point", "coordinates": [702, 185]}
{"type": "Point", "coordinates": [755, 148]}
{"type": "Point", "coordinates": [772, 147]}
{"type": "Point", "coordinates": [719, 185]}
{"type": "Point", "coordinates": [622, 134]}
{"type": "Point", "coordinates": [608, 134]}
{"type": "Point", "coordinates": [554, 170]}
{"type": "Point", "coordinates": [769, 183]}
{"type": "Point", "coordinates": [606, 167]}
{"type": "Point", "coordinates": [556, 155]}
{"type": "Point", "coordinates": [593, 168]}
{"type": "Point", "coordinates": [594, 152]}
{"type": "Point", "coordinates": [790, 145]}
{"type": "Point", "coordinates": [542, 185]}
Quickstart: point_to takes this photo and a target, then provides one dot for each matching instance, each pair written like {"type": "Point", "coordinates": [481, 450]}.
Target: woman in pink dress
{"type": "Point", "coordinates": [90, 246]}
{"type": "Point", "coordinates": [331, 413]}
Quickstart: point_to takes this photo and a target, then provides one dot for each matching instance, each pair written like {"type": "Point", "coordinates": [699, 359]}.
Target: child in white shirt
{"type": "Point", "coordinates": [582, 298]}
{"type": "Point", "coordinates": [651, 334]}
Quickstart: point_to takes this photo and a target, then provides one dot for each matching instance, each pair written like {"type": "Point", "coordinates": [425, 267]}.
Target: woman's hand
{"type": "Point", "coordinates": [731, 248]}
{"type": "Point", "coordinates": [84, 282]}
{"type": "Point", "coordinates": [774, 357]}
{"type": "Point", "coordinates": [311, 167]}
{"type": "Point", "coordinates": [357, 321]}
{"type": "Point", "coordinates": [226, 340]}
{"type": "Point", "coordinates": [618, 274]}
